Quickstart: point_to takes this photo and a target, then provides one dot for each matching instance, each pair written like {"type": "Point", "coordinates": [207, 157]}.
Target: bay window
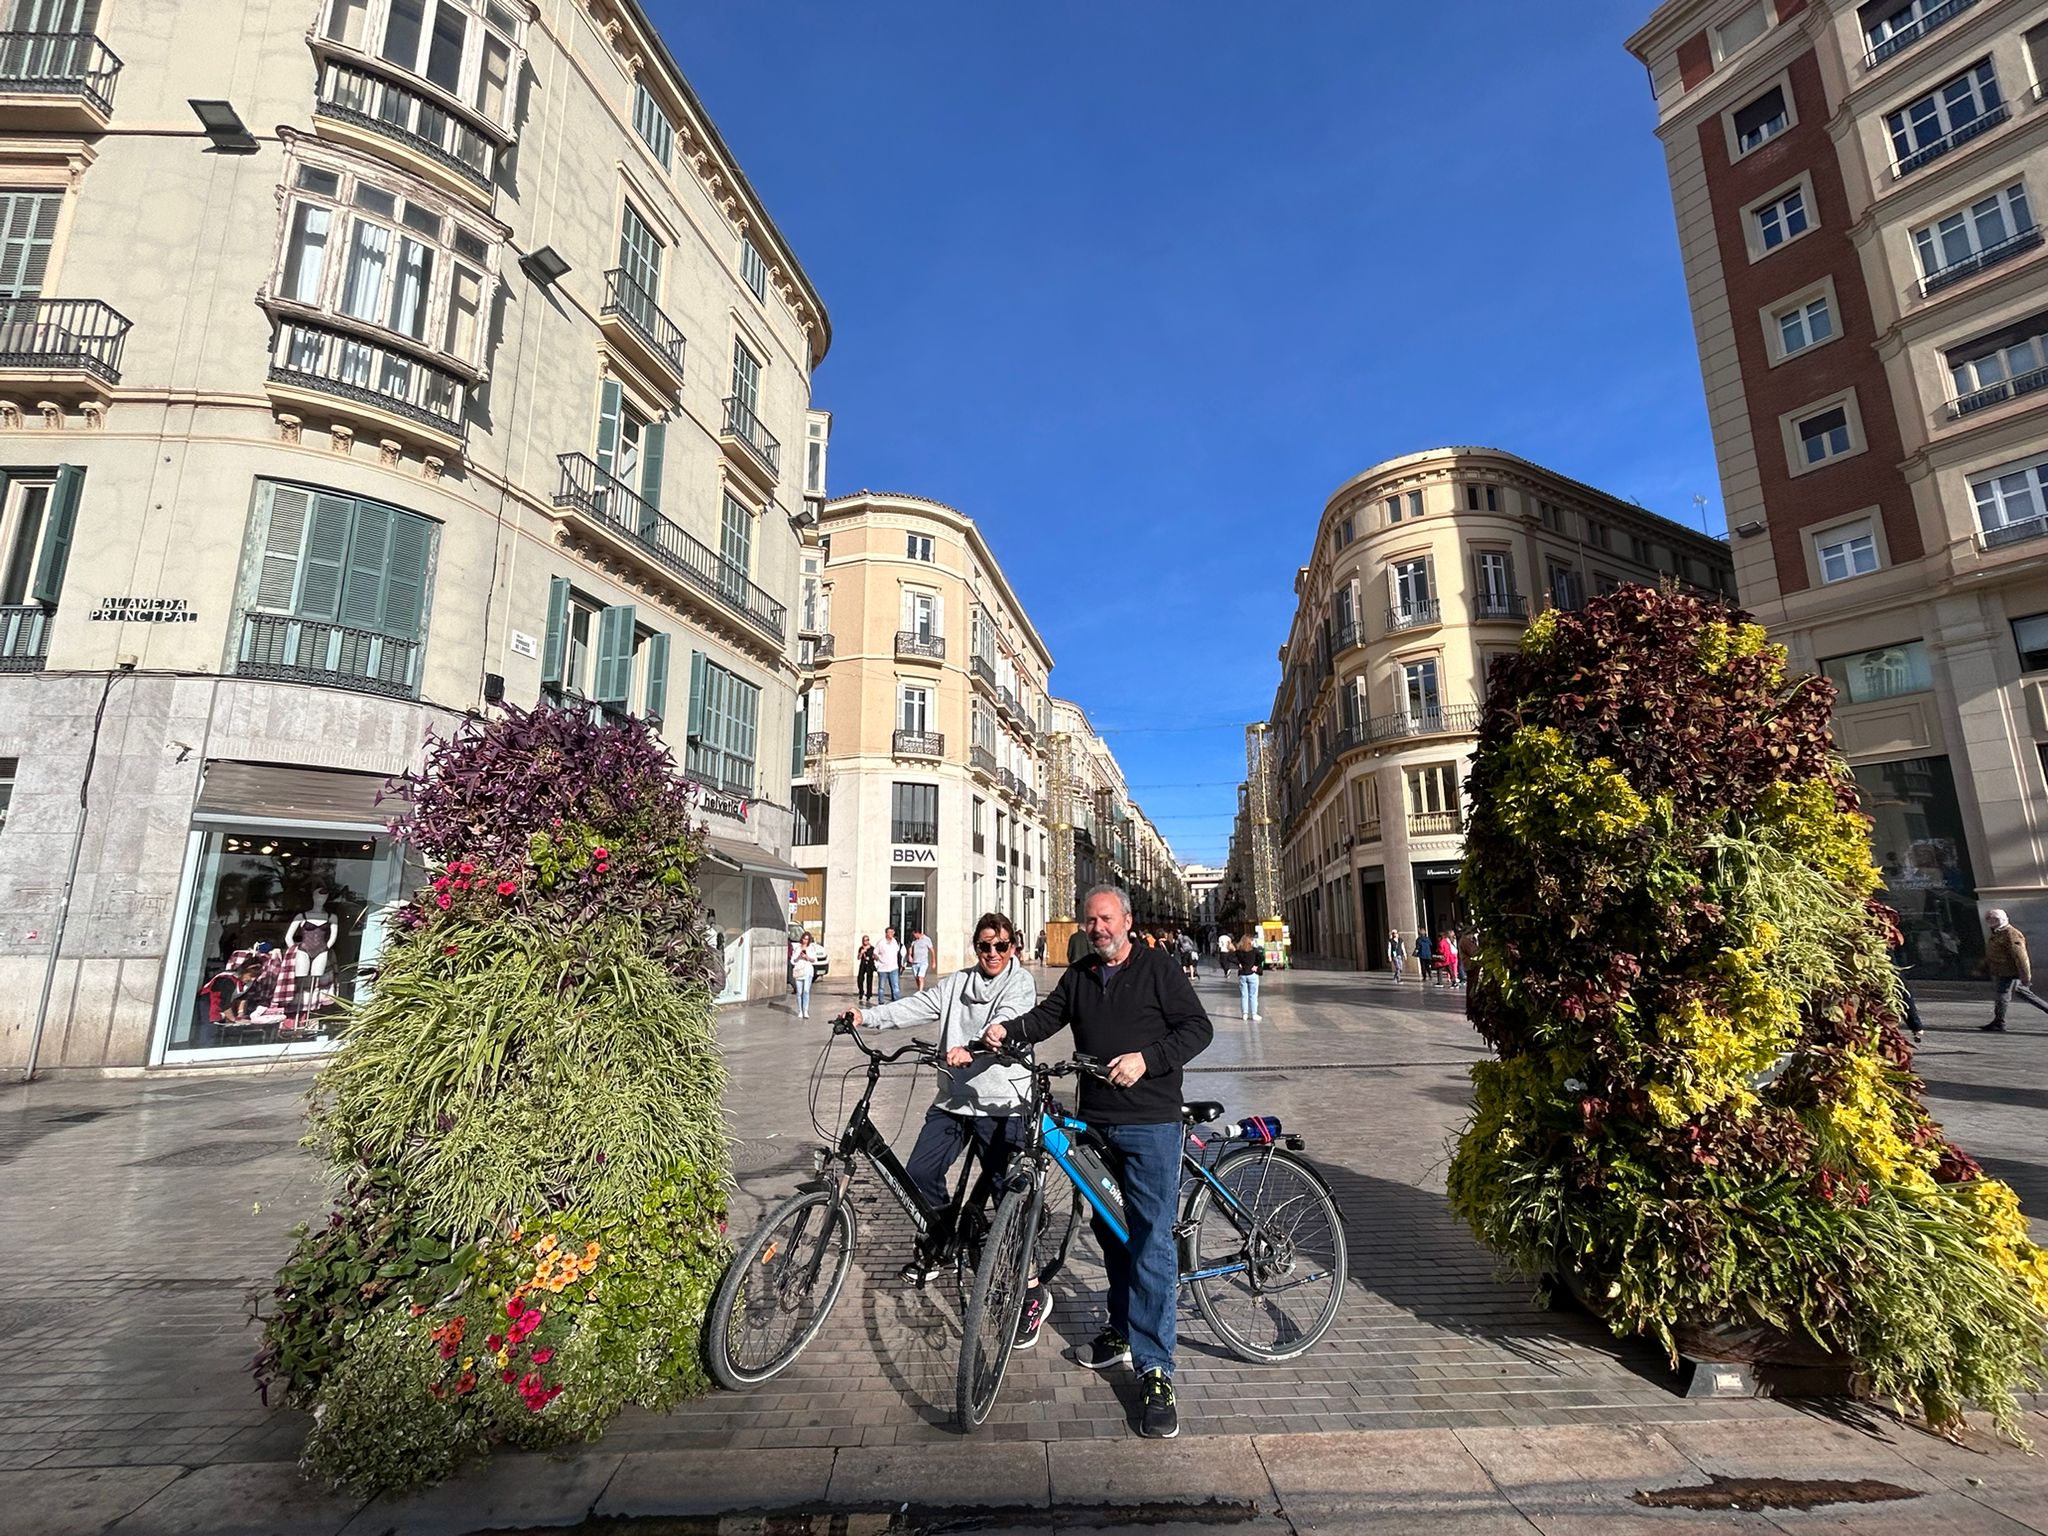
{"type": "Point", "coordinates": [2010, 496]}
{"type": "Point", "coordinates": [468, 50]}
{"type": "Point", "coordinates": [1952, 112]}
{"type": "Point", "coordinates": [1963, 242]}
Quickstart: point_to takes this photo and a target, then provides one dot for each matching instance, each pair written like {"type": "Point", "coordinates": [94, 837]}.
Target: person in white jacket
{"type": "Point", "coordinates": [978, 1094]}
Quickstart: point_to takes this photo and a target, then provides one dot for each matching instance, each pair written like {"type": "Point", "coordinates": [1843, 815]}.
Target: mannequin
{"type": "Point", "coordinates": [310, 937]}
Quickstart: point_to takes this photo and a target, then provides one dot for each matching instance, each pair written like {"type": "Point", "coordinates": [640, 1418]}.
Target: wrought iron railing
{"type": "Point", "coordinates": [984, 669]}
{"type": "Point", "coordinates": [405, 116]}
{"type": "Point", "coordinates": [1983, 123]}
{"type": "Point", "coordinates": [1416, 614]}
{"type": "Point", "coordinates": [1006, 701]}
{"type": "Point", "coordinates": [918, 744]}
{"type": "Point", "coordinates": [910, 643]}
{"type": "Point", "coordinates": [922, 834]}
{"type": "Point", "coordinates": [633, 304]}
{"type": "Point", "coordinates": [58, 64]}
{"type": "Point", "coordinates": [58, 334]}
{"type": "Point", "coordinates": [288, 649]}
{"type": "Point", "coordinates": [2016, 533]}
{"type": "Point", "coordinates": [1447, 719]}
{"type": "Point", "coordinates": [1992, 394]}
{"type": "Point", "coordinates": [354, 368]}
{"type": "Point", "coordinates": [1502, 605]}
{"type": "Point", "coordinates": [981, 758]}
{"type": "Point", "coordinates": [587, 489]}
{"type": "Point", "coordinates": [1910, 34]}
{"type": "Point", "coordinates": [716, 768]}
{"type": "Point", "coordinates": [815, 648]}
{"type": "Point", "coordinates": [1006, 781]}
{"type": "Point", "coordinates": [815, 744]}
{"type": "Point", "coordinates": [24, 637]}
{"type": "Point", "coordinates": [742, 423]}
{"type": "Point", "coordinates": [1434, 823]}
{"type": "Point", "coordinates": [1992, 254]}
{"type": "Point", "coordinates": [1349, 632]}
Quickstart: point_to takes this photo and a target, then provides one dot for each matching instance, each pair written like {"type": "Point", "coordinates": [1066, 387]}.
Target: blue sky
{"type": "Point", "coordinates": [1137, 284]}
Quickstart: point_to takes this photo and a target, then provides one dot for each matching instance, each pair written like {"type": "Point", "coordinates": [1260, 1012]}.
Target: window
{"type": "Point", "coordinates": [1567, 591]}
{"type": "Point", "coordinates": [918, 546]}
{"type": "Point", "coordinates": [2031, 636]}
{"type": "Point", "coordinates": [752, 268]}
{"type": "Point", "coordinates": [28, 223]}
{"type": "Point", "coordinates": [1890, 25]}
{"type": "Point", "coordinates": [1393, 509]}
{"type": "Point", "coordinates": [812, 810]}
{"type": "Point", "coordinates": [581, 640]}
{"type": "Point", "coordinates": [1846, 552]}
{"type": "Point", "coordinates": [1884, 673]}
{"type": "Point", "coordinates": [652, 124]}
{"type": "Point", "coordinates": [1782, 220]}
{"type": "Point", "coordinates": [1411, 587]}
{"type": "Point", "coordinates": [914, 813]}
{"type": "Point", "coordinates": [817, 439]}
{"type": "Point", "coordinates": [463, 47]}
{"type": "Point", "coordinates": [724, 712]}
{"type": "Point", "coordinates": [1344, 533]}
{"type": "Point", "coordinates": [1605, 582]}
{"type": "Point", "coordinates": [735, 542]}
{"type": "Point", "coordinates": [1803, 325]}
{"type": "Point", "coordinates": [1824, 436]}
{"type": "Point", "coordinates": [341, 559]}
{"type": "Point", "coordinates": [746, 379]}
{"type": "Point", "coordinates": [38, 513]}
{"type": "Point", "coordinates": [1482, 498]}
{"type": "Point", "coordinates": [1762, 120]}
{"type": "Point", "coordinates": [1639, 550]}
{"type": "Point", "coordinates": [10, 770]}
{"type": "Point", "coordinates": [1958, 244]}
{"type": "Point", "coordinates": [1496, 582]}
{"type": "Point", "coordinates": [913, 708]}
{"type": "Point", "coordinates": [1740, 30]}
{"type": "Point", "coordinates": [1550, 515]}
{"type": "Point", "coordinates": [1956, 110]}
{"type": "Point", "coordinates": [1597, 534]}
{"type": "Point", "coordinates": [921, 609]}
{"type": "Point", "coordinates": [2010, 496]}
{"type": "Point", "coordinates": [1433, 789]}
{"type": "Point", "coordinates": [2009, 362]}
{"type": "Point", "coordinates": [640, 262]}
{"type": "Point", "coordinates": [1421, 697]}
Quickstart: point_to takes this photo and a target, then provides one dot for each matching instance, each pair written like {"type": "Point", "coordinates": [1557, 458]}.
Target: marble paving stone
{"type": "Point", "coordinates": [1211, 1468]}
{"type": "Point", "coordinates": [252, 1499]}
{"type": "Point", "coordinates": [64, 1503]}
{"type": "Point", "coordinates": [968, 1473]}
{"type": "Point", "coordinates": [703, 1482]}
{"type": "Point", "coordinates": [509, 1490]}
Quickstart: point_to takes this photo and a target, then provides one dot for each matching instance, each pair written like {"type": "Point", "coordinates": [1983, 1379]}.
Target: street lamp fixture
{"type": "Point", "coordinates": [545, 266]}
{"type": "Point", "coordinates": [224, 126]}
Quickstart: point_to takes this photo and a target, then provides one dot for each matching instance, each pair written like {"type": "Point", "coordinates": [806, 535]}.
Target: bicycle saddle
{"type": "Point", "coordinates": [1201, 1112]}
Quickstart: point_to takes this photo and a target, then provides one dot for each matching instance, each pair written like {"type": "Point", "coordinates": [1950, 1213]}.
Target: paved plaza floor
{"type": "Point", "coordinates": [140, 1218]}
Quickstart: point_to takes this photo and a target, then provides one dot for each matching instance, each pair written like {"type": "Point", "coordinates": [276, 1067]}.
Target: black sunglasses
{"type": "Point", "coordinates": [999, 947]}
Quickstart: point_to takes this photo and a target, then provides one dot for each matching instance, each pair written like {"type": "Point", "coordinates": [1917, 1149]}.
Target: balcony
{"type": "Point", "coordinates": [751, 447]}
{"type": "Point", "coordinates": [631, 319]}
{"type": "Point", "coordinates": [25, 637]}
{"type": "Point", "coordinates": [1435, 823]}
{"type": "Point", "coordinates": [1446, 720]}
{"type": "Point", "coordinates": [626, 519]}
{"type": "Point", "coordinates": [815, 745]}
{"type": "Point", "coordinates": [1992, 254]}
{"type": "Point", "coordinates": [815, 648]}
{"type": "Point", "coordinates": [1006, 781]}
{"type": "Point", "coordinates": [1419, 614]}
{"type": "Point", "coordinates": [56, 81]}
{"type": "Point", "coordinates": [1992, 394]}
{"type": "Point", "coordinates": [285, 649]}
{"type": "Point", "coordinates": [368, 110]}
{"type": "Point", "coordinates": [1908, 35]}
{"type": "Point", "coordinates": [1501, 605]}
{"type": "Point", "coordinates": [916, 647]}
{"type": "Point", "coordinates": [1348, 634]}
{"type": "Point", "coordinates": [1369, 830]}
{"type": "Point", "coordinates": [918, 744]}
{"type": "Point", "coordinates": [317, 365]}
{"type": "Point", "coordinates": [984, 672]}
{"type": "Point", "coordinates": [715, 768]}
{"type": "Point", "coordinates": [1991, 538]}
{"type": "Point", "coordinates": [1982, 124]}
{"type": "Point", "coordinates": [69, 348]}
{"type": "Point", "coordinates": [981, 760]}
{"type": "Point", "coordinates": [1006, 704]}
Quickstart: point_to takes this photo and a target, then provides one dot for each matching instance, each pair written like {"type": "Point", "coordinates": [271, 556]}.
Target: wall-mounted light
{"type": "Point", "coordinates": [224, 126]}
{"type": "Point", "coordinates": [545, 266]}
{"type": "Point", "coordinates": [1751, 528]}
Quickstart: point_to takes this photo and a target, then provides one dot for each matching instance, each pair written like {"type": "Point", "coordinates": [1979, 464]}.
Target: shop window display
{"type": "Point", "coordinates": [1917, 835]}
{"type": "Point", "coordinates": [283, 931]}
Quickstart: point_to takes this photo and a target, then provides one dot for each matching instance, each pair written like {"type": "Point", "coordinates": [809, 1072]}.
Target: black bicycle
{"type": "Point", "coordinates": [786, 1278]}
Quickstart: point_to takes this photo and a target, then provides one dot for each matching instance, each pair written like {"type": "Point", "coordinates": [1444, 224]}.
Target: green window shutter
{"type": "Point", "coordinates": [405, 577]}
{"type": "Point", "coordinates": [28, 223]}
{"type": "Point", "coordinates": [796, 740]}
{"type": "Point", "coordinates": [554, 651]}
{"type": "Point", "coordinates": [696, 695]}
{"type": "Point", "coordinates": [369, 558]}
{"type": "Point", "coordinates": [57, 532]}
{"type": "Point", "coordinates": [325, 557]}
{"type": "Point", "coordinates": [284, 511]}
{"type": "Point", "coordinates": [608, 425]}
{"type": "Point", "coordinates": [615, 656]}
{"type": "Point", "coordinates": [654, 706]}
{"type": "Point", "coordinates": [651, 443]}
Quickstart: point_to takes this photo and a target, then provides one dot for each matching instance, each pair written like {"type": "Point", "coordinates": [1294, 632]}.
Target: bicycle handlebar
{"type": "Point", "coordinates": [924, 1050]}
{"type": "Point", "coordinates": [1076, 1066]}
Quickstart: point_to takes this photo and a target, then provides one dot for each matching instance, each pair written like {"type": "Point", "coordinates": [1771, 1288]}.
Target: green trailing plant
{"type": "Point", "coordinates": [1702, 1112]}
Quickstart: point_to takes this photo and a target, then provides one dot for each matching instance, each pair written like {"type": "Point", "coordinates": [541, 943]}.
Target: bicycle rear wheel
{"type": "Point", "coordinates": [1278, 1256]}
{"type": "Point", "coordinates": [989, 1330]}
{"type": "Point", "coordinates": [779, 1289]}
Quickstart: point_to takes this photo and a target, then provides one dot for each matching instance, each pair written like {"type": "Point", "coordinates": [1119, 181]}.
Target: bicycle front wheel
{"type": "Point", "coordinates": [1267, 1264]}
{"type": "Point", "coordinates": [988, 1332]}
{"type": "Point", "coordinates": [779, 1290]}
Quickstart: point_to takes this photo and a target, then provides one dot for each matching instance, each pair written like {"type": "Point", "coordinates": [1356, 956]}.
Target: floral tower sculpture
{"type": "Point", "coordinates": [524, 1123]}
{"type": "Point", "coordinates": [1703, 1114]}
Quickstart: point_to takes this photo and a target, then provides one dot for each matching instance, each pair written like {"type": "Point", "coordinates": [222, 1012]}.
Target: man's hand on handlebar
{"type": "Point", "coordinates": [1126, 1069]}
{"type": "Point", "coordinates": [994, 1036]}
{"type": "Point", "coordinates": [959, 1056]}
{"type": "Point", "coordinates": [854, 1018]}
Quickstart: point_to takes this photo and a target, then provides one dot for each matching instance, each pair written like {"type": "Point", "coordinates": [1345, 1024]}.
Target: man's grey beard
{"type": "Point", "coordinates": [1106, 946]}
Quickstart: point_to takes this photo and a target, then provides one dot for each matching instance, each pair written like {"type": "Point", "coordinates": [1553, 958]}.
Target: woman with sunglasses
{"type": "Point", "coordinates": [977, 1093]}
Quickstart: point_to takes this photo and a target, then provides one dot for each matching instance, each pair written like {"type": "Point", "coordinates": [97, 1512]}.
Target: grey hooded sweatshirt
{"type": "Point", "coordinates": [963, 1005]}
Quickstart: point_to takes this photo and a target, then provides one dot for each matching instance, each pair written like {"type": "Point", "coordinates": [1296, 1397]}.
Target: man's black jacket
{"type": "Point", "coordinates": [1147, 1006]}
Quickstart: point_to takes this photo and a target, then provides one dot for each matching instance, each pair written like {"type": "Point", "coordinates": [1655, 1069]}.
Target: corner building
{"type": "Point", "coordinates": [1425, 568]}
{"type": "Point", "coordinates": [444, 356]}
{"type": "Point", "coordinates": [1856, 191]}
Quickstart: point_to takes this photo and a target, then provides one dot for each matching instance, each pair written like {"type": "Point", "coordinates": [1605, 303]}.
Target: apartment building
{"type": "Point", "coordinates": [920, 755]}
{"type": "Point", "coordinates": [1424, 568]}
{"type": "Point", "coordinates": [366, 363]}
{"type": "Point", "coordinates": [1855, 191]}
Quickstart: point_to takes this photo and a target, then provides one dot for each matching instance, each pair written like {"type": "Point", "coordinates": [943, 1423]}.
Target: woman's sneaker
{"type": "Point", "coordinates": [1110, 1348]}
{"type": "Point", "coordinates": [1158, 1418]}
{"type": "Point", "coordinates": [1036, 1305]}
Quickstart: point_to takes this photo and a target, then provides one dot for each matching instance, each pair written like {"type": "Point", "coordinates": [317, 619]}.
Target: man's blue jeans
{"type": "Point", "coordinates": [885, 981]}
{"type": "Point", "coordinates": [1248, 993]}
{"type": "Point", "coordinates": [1144, 1277]}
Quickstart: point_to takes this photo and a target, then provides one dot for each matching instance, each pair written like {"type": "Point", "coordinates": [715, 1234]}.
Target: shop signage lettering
{"type": "Point", "coordinates": [906, 854]}
{"type": "Point", "coordinates": [1438, 872]}
{"type": "Point", "coordinates": [144, 610]}
{"type": "Point", "coordinates": [718, 802]}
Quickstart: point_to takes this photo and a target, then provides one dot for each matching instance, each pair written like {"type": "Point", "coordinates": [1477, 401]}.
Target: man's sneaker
{"type": "Point", "coordinates": [1110, 1348]}
{"type": "Point", "coordinates": [1994, 1028]}
{"type": "Point", "coordinates": [917, 1271]}
{"type": "Point", "coordinates": [1036, 1305]}
{"type": "Point", "coordinates": [1158, 1418]}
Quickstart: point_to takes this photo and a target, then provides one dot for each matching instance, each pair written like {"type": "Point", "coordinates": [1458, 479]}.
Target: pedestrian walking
{"type": "Point", "coordinates": [1226, 951]}
{"type": "Point", "coordinates": [1132, 1009]}
{"type": "Point", "coordinates": [1468, 954]}
{"type": "Point", "coordinates": [803, 970]}
{"type": "Point", "coordinates": [1397, 953]}
{"type": "Point", "coordinates": [864, 972]}
{"type": "Point", "coordinates": [2005, 956]}
{"type": "Point", "coordinates": [1038, 948]}
{"type": "Point", "coordinates": [920, 956]}
{"type": "Point", "coordinates": [889, 966]}
{"type": "Point", "coordinates": [1190, 957]}
{"type": "Point", "coordinates": [1251, 962]}
{"type": "Point", "coordinates": [1447, 961]}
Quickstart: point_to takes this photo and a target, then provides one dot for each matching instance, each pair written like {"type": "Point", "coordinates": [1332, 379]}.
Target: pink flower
{"type": "Point", "coordinates": [508, 887]}
{"type": "Point", "coordinates": [513, 1307]}
{"type": "Point", "coordinates": [543, 1356]}
{"type": "Point", "coordinates": [443, 903]}
{"type": "Point", "coordinates": [441, 884]}
{"type": "Point", "coordinates": [462, 885]}
{"type": "Point", "coordinates": [600, 853]}
{"type": "Point", "coordinates": [451, 949]}
{"type": "Point", "coordinates": [465, 868]}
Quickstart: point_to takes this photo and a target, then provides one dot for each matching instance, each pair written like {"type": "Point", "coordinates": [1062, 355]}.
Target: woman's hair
{"type": "Point", "coordinates": [995, 922]}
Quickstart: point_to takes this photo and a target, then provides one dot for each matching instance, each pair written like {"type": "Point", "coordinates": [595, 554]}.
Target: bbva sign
{"type": "Point", "coordinates": [909, 853]}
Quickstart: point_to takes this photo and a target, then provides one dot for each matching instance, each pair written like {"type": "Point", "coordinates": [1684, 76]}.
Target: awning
{"type": "Point", "coordinates": [275, 791]}
{"type": "Point", "coordinates": [749, 860]}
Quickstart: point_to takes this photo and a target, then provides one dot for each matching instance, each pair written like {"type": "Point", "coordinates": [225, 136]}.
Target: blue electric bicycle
{"type": "Point", "coordinates": [1261, 1240]}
